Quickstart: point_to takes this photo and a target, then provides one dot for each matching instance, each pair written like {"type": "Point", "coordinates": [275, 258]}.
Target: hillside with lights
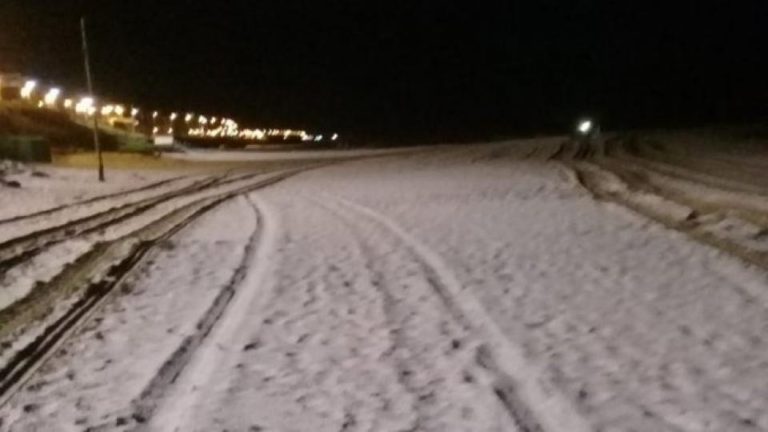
{"type": "Point", "coordinates": [29, 107]}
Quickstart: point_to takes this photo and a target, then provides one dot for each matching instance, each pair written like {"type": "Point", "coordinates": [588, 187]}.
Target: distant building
{"type": "Point", "coordinates": [10, 86]}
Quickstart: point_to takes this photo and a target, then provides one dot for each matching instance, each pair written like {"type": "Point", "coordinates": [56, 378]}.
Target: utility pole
{"type": "Point", "coordinates": [88, 78]}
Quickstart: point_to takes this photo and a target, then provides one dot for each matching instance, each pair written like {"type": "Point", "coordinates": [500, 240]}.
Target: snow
{"type": "Point", "coordinates": [62, 186]}
{"type": "Point", "coordinates": [464, 288]}
{"type": "Point", "coordinates": [215, 155]}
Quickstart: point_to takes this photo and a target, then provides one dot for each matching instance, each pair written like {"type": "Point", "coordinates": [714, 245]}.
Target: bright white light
{"type": "Point", "coordinates": [134, 112]}
{"type": "Point", "coordinates": [173, 116]}
{"type": "Point", "coordinates": [68, 104]}
{"type": "Point", "coordinates": [26, 91]}
{"type": "Point", "coordinates": [202, 120]}
{"type": "Point", "coordinates": [107, 110]}
{"type": "Point", "coordinates": [154, 114]}
{"type": "Point", "coordinates": [119, 110]}
{"type": "Point", "coordinates": [155, 130]}
{"type": "Point", "coordinates": [319, 138]}
{"type": "Point", "coordinates": [85, 106]}
{"type": "Point", "coordinates": [585, 126]}
{"type": "Point", "coordinates": [335, 137]}
{"type": "Point", "coordinates": [188, 118]}
{"type": "Point", "coordinates": [52, 96]}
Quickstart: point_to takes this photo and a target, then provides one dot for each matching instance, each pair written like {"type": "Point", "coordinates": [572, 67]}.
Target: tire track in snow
{"type": "Point", "coordinates": [534, 404]}
{"type": "Point", "coordinates": [146, 404]}
{"type": "Point", "coordinates": [119, 194]}
{"type": "Point", "coordinates": [397, 340]}
{"type": "Point", "coordinates": [164, 413]}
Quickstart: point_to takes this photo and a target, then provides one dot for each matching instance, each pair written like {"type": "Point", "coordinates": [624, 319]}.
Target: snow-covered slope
{"type": "Point", "coordinates": [465, 289]}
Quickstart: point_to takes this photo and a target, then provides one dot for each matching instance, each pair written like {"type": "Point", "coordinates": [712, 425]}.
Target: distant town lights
{"type": "Point", "coordinates": [204, 126]}
{"type": "Point", "coordinates": [29, 87]}
{"type": "Point", "coordinates": [52, 96]}
{"type": "Point", "coordinates": [85, 106]}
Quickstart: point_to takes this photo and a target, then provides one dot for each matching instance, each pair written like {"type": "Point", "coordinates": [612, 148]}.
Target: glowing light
{"type": "Point", "coordinates": [155, 130]}
{"type": "Point", "coordinates": [134, 112]}
{"type": "Point", "coordinates": [68, 104]}
{"type": "Point", "coordinates": [188, 118]}
{"type": "Point", "coordinates": [119, 110]}
{"type": "Point", "coordinates": [107, 110]}
{"type": "Point", "coordinates": [85, 106]}
{"type": "Point", "coordinates": [52, 96]}
{"type": "Point", "coordinates": [173, 116]}
{"type": "Point", "coordinates": [335, 137]}
{"type": "Point", "coordinates": [40, 104]}
{"type": "Point", "coordinates": [26, 91]}
{"type": "Point", "coordinates": [202, 120]}
{"type": "Point", "coordinates": [155, 114]}
{"type": "Point", "coordinates": [318, 138]}
{"type": "Point", "coordinates": [213, 120]}
{"type": "Point", "coordinates": [585, 127]}
{"type": "Point", "coordinates": [170, 131]}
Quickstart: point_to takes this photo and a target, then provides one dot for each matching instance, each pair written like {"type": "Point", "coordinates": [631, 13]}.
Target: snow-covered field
{"type": "Point", "coordinates": [44, 187]}
{"type": "Point", "coordinates": [255, 155]}
{"type": "Point", "coordinates": [475, 288]}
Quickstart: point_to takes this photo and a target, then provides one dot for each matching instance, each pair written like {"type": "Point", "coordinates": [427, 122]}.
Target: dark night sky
{"type": "Point", "coordinates": [412, 69]}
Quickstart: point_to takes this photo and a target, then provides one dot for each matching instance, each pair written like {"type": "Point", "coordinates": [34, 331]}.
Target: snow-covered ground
{"type": "Point", "coordinates": [255, 155]}
{"type": "Point", "coordinates": [44, 187]}
{"type": "Point", "coordinates": [473, 288]}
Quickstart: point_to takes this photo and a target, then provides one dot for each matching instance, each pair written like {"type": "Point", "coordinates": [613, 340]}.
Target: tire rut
{"type": "Point", "coordinates": [146, 404]}
{"type": "Point", "coordinates": [93, 277]}
{"type": "Point", "coordinates": [91, 200]}
{"type": "Point", "coordinates": [469, 315]}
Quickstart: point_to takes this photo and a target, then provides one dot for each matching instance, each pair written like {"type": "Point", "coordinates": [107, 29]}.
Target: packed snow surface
{"type": "Point", "coordinates": [44, 187]}
{"type": "Point", "coordinates": [463, 289]}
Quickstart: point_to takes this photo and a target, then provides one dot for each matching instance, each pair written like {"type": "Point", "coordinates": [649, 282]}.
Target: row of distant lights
{"type": "Point", "coordinates": [226, 127]}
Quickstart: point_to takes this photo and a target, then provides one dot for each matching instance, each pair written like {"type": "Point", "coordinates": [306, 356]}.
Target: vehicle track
{"type": "Point", "coordinates": [516, 385]}
{"type": "Point", "coordinates": [91, 200]}
{"type": "Point", "coordinates": [20, 249]}
{"type": "Point", "coordinates": [674, 168]}
{"type": "Point", "coordinates": [601, 183]}
{"type": "Point", "coordinates": [91, 279]}
{"type": "Point", "coordinates": [146, 404]}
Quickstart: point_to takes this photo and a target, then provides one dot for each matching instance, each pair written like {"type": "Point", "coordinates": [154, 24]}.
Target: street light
{"type": "Point", "coordinates": [585, 127]}
{"type": "Point", "coordinates": [52, 96]}
{"type": "Point", "coordinates": [85, 106]}
{"type": "Point", "coordinates": [26, 91]}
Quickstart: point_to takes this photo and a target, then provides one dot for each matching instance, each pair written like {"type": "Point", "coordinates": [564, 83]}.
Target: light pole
{"type": "Point", "coordinates": [89, 80]}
